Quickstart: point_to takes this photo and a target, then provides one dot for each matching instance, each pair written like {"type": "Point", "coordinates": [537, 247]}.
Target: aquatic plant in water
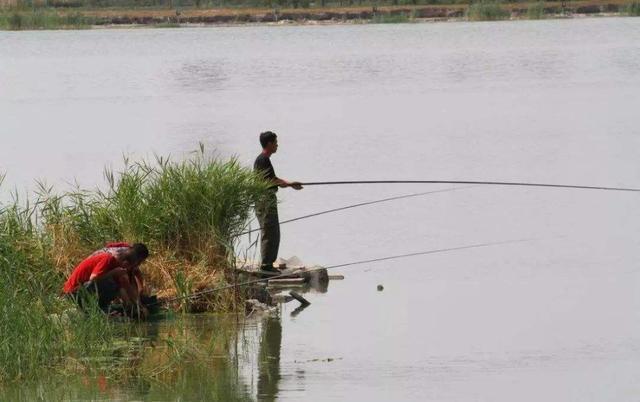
{"type": "Point", "coordinates": [37, 331]}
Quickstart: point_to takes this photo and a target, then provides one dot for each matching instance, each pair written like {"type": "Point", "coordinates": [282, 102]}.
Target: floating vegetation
{"type": "Point", "coordinates": [485, 11]}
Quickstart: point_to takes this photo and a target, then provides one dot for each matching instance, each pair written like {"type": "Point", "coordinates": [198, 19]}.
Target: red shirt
{"type": "Point", "coordinates": [96, 265]}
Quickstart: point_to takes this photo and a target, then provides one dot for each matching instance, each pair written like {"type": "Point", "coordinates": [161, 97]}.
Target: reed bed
{"type": "Point", "coordinates": [486, 11]}
{"type": "Point", "coordinates": [535, 11]}
{"type": "Point", "coordinates": [633, 9]}
{"type": "Point", "coordinates": [37, 330]}
{"type": "Point", "coordinates": [392, 18]}
{"type": "Point", "coordinates": [42, 18]}
{"type": "Point", "coordinates": [188, 212]}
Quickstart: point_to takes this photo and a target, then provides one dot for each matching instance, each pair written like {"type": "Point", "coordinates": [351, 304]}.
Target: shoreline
{"type": "Point", "coordinates": [96, 18]}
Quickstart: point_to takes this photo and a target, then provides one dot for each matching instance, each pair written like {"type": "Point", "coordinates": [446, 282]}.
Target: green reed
{"type": "Point", "coordinates": [194, 207]}
{"type": "Point", "coordinates": [189, 212]}
{"type": "Point", "coordinates": [633, 9]}
{"type": "Point", "coordinates": [37, 331]}
{"type": "Point", "coordinates": [535, 11]}
{"type": "Point", "coordinates": [385, 18]}
{"type": "Point", "coordinates": [486, 11]}
{"type": "Point", "coordinates": [42, 18]}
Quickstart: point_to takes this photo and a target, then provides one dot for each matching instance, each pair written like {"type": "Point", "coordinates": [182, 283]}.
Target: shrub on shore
{"type": "Point", "coordinates": [633, 9]}
{"type": "Point", "coordinates": [535, 11]}
{"type": "Point", "coordinates": [385, 18]}
{"type": "Point", "coordinates": [483, 11]}
{"type": "Point", "coordinates": [41, 18]}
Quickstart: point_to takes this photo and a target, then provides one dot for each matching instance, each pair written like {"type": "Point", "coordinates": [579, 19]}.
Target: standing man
{"type": "Point", "coordinates": [267, 212]}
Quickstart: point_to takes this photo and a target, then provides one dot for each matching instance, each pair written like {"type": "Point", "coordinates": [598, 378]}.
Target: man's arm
{"type": "Point", "coordinates": [137, 276]}
{"type": "Point", "coordinates": [285, 183]}
{"type": "Point", "coordinates": [101, 269]}
{"type": "Point", "coordinates": [264, 166]}
{"type": "Point", "coordinates": [130, 295]}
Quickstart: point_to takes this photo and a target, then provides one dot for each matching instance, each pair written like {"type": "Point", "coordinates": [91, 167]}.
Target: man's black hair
{"type": "Point", "coordinates": [267, 137]}
{"type": "Point", "coordinates": [140, 251]}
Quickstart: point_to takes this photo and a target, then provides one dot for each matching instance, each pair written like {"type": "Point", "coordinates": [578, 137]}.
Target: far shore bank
{"type": "Point", "coordinates": [78, 18]}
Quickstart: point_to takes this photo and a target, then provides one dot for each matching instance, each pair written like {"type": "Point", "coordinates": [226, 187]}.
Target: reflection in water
{"type": "Point", "coordinates": [195, 358]}
{"type": "Point", "coordinates": [189, 359]}
{"type": "Point", "coordinates": [299, 309]}
{"type": "Point", "coordinates": [269, 359]}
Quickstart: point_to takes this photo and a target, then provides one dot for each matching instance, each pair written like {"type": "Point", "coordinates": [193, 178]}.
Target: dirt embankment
{"type": "Point", "coordinates": [331, 15]}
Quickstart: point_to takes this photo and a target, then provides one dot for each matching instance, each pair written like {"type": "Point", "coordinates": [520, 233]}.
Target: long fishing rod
{"type": "Point", "coordinates": [393, 257]}
{"type": "Point", "coordinates": [472, 182]}
{"type": "Point", "coordinates": [360, 204]}
{"type": "Point", "coordinates": [469, 182]}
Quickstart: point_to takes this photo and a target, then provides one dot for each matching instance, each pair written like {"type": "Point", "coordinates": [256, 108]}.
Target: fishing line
{"type": "Point", "coordinates": [492, 183]}
{"type": "Point", "coordinates": [348, 264]}
{"type": "Point", "coordinates": [361, 204]}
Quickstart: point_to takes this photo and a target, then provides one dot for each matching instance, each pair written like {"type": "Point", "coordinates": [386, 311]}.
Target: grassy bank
{"type": "Point", "coordinates": [37, 332]}
{"type": "Point", "coordinates": [633, 9]}
{"type": "Point", "coordinates": [188, 212]}
{"type": "Point", "coordinates": [535, 11]}
{"type": "Point", "coordinates": [80, 13]}
{"type": "Point", "coordinates": [486, 11]}
{"type": "Point", "coordinates": [43, 18]}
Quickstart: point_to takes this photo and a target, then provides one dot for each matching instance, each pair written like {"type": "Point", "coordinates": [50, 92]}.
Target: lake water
{"type": "Point", "coordinates": [555, 318]}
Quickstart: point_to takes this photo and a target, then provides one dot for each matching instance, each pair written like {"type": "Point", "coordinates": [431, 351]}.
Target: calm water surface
{"type": "Point", "coordinates": [556, 318]}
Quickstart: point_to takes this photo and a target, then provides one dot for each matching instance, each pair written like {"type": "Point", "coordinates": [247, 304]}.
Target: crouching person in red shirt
{"type": "Point", "coordinates": [110, 273]}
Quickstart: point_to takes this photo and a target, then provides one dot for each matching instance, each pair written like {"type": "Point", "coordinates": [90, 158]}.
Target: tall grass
{"type": "Point", "coordinates": [633, 9]}
{"type": "Point", "coordinates": [535, 11]}
{"type": "Point", "coordinates": [188, 212]}
{"type": "Point", "coordinates": [486, 11]}
{"type": "Point", "coordinates": [384, 18]}
{"type": "Point", "coordinates": [41, 18]}
{"type": "Point", "coordinates": [36, 331]}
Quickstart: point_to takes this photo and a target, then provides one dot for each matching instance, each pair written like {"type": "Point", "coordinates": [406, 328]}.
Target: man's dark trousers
{"type": "Point", "coordinates": [105, 290]}
{"type": "Point", "coordinates": [267, 214]}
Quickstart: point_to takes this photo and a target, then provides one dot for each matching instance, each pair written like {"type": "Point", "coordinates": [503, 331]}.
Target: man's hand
{"type": "Point", "coordinates": [296, 185]}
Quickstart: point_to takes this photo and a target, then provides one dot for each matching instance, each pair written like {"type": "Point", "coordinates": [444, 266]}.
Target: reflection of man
{"type": "Point", "coordinates": [269, 363]}
{"type": "Point", "coordinates": [267, 212]}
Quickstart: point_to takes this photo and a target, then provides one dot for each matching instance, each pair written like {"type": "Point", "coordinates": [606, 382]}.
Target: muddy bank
{"type": "Point", "coordinates": [78, 18]}
{"type": "Point", "coordinates": [335, 15]}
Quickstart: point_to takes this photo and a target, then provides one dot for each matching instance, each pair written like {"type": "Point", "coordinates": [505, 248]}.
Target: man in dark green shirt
{"type": "Point", "coordinates": [267, 212]}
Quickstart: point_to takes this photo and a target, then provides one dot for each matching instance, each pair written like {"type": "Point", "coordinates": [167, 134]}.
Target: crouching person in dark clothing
{"type": "Point", "coordinates": [110, 273]}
